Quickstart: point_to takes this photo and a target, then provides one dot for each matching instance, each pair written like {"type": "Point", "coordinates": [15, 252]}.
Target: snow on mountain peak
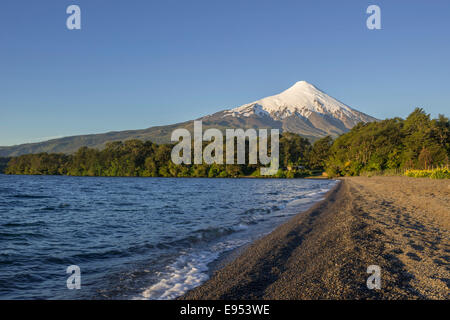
{"type": "Point", "coordinates": [301, 99]}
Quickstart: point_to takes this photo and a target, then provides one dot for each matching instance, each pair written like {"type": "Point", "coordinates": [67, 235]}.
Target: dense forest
{"type": "Point", "coordinates": [418, 142]}
{"type": "Point", "coordinates": [3, 164]}
{"type": "Point", "coordinates": [135, 158]}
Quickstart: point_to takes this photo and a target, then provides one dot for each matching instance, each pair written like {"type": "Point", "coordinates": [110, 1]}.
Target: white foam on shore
{"type": "Point", "coordinates": [187, 272]}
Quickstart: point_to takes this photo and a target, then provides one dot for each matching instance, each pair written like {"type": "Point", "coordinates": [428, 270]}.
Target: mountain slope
{"type": "Point", "coordinates": [304, 109]}
{"type": "Point", "coordinates": [301, 109]}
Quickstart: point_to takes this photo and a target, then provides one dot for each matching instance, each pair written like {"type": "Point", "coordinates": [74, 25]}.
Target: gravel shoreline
{"type": "Point", "coordinates": [400, 224]}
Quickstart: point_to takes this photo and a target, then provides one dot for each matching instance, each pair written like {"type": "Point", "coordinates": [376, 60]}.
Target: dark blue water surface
{"type": "Point", "coordinates": [133, 238]}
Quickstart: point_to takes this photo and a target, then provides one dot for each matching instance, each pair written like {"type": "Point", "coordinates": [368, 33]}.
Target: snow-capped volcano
{"type": "Point", "coordinates": [302, 109]}
{"type": "Point", "coordinates": [302, 99]}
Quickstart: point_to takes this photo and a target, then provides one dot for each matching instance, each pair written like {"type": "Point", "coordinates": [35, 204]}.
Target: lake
{"type": "Point", "coordinates": [133, 238]}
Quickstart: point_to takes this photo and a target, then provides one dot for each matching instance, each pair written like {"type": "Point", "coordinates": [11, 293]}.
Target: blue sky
{"type": "Point", "coordinates": [135, 64]}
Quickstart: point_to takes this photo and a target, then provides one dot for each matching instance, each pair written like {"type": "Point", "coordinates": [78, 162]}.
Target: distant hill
{"type": "Point", "coordinates": [301, 109]}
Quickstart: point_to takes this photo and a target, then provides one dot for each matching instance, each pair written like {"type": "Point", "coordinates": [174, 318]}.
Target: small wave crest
{"type": "Point", "coordinates": [187, 272]}
{"type": "Point", "coordinates": [30, 196]}
{"type": "Point", "coordinates": [208, 234]}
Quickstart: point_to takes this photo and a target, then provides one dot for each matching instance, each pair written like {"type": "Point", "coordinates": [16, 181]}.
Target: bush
{"type": "Point", "coordinates": [441, 173]}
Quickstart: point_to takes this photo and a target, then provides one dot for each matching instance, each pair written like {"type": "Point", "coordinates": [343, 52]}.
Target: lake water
{"type": "Point", "coordinates": [133, 238]}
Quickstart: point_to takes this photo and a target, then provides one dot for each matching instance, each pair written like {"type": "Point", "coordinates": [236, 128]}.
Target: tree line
{"type": "Point", "coordinates": [417, 142]}
{"type": "Point", "coordinates": [136, 158]}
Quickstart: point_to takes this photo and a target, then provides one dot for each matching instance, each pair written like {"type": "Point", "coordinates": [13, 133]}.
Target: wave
{"type": "Point", "coordinates": [24, 224]}
{"type": "Point", "coordinates": [203, 235]}
{"type": "Point", "coordinates": [186, 273]}
{"type": "Point", "coordinates": [30, 196]}
{"type": "Point", "coordinates": [25, 236]}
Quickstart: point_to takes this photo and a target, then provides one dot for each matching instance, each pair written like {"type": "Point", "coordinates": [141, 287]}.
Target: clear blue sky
{"type": "Point", "coordinates": [135, 64]}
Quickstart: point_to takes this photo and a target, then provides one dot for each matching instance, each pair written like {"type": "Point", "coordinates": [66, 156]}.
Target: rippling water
{"type": "Point", "coordinates": [132, 238]}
